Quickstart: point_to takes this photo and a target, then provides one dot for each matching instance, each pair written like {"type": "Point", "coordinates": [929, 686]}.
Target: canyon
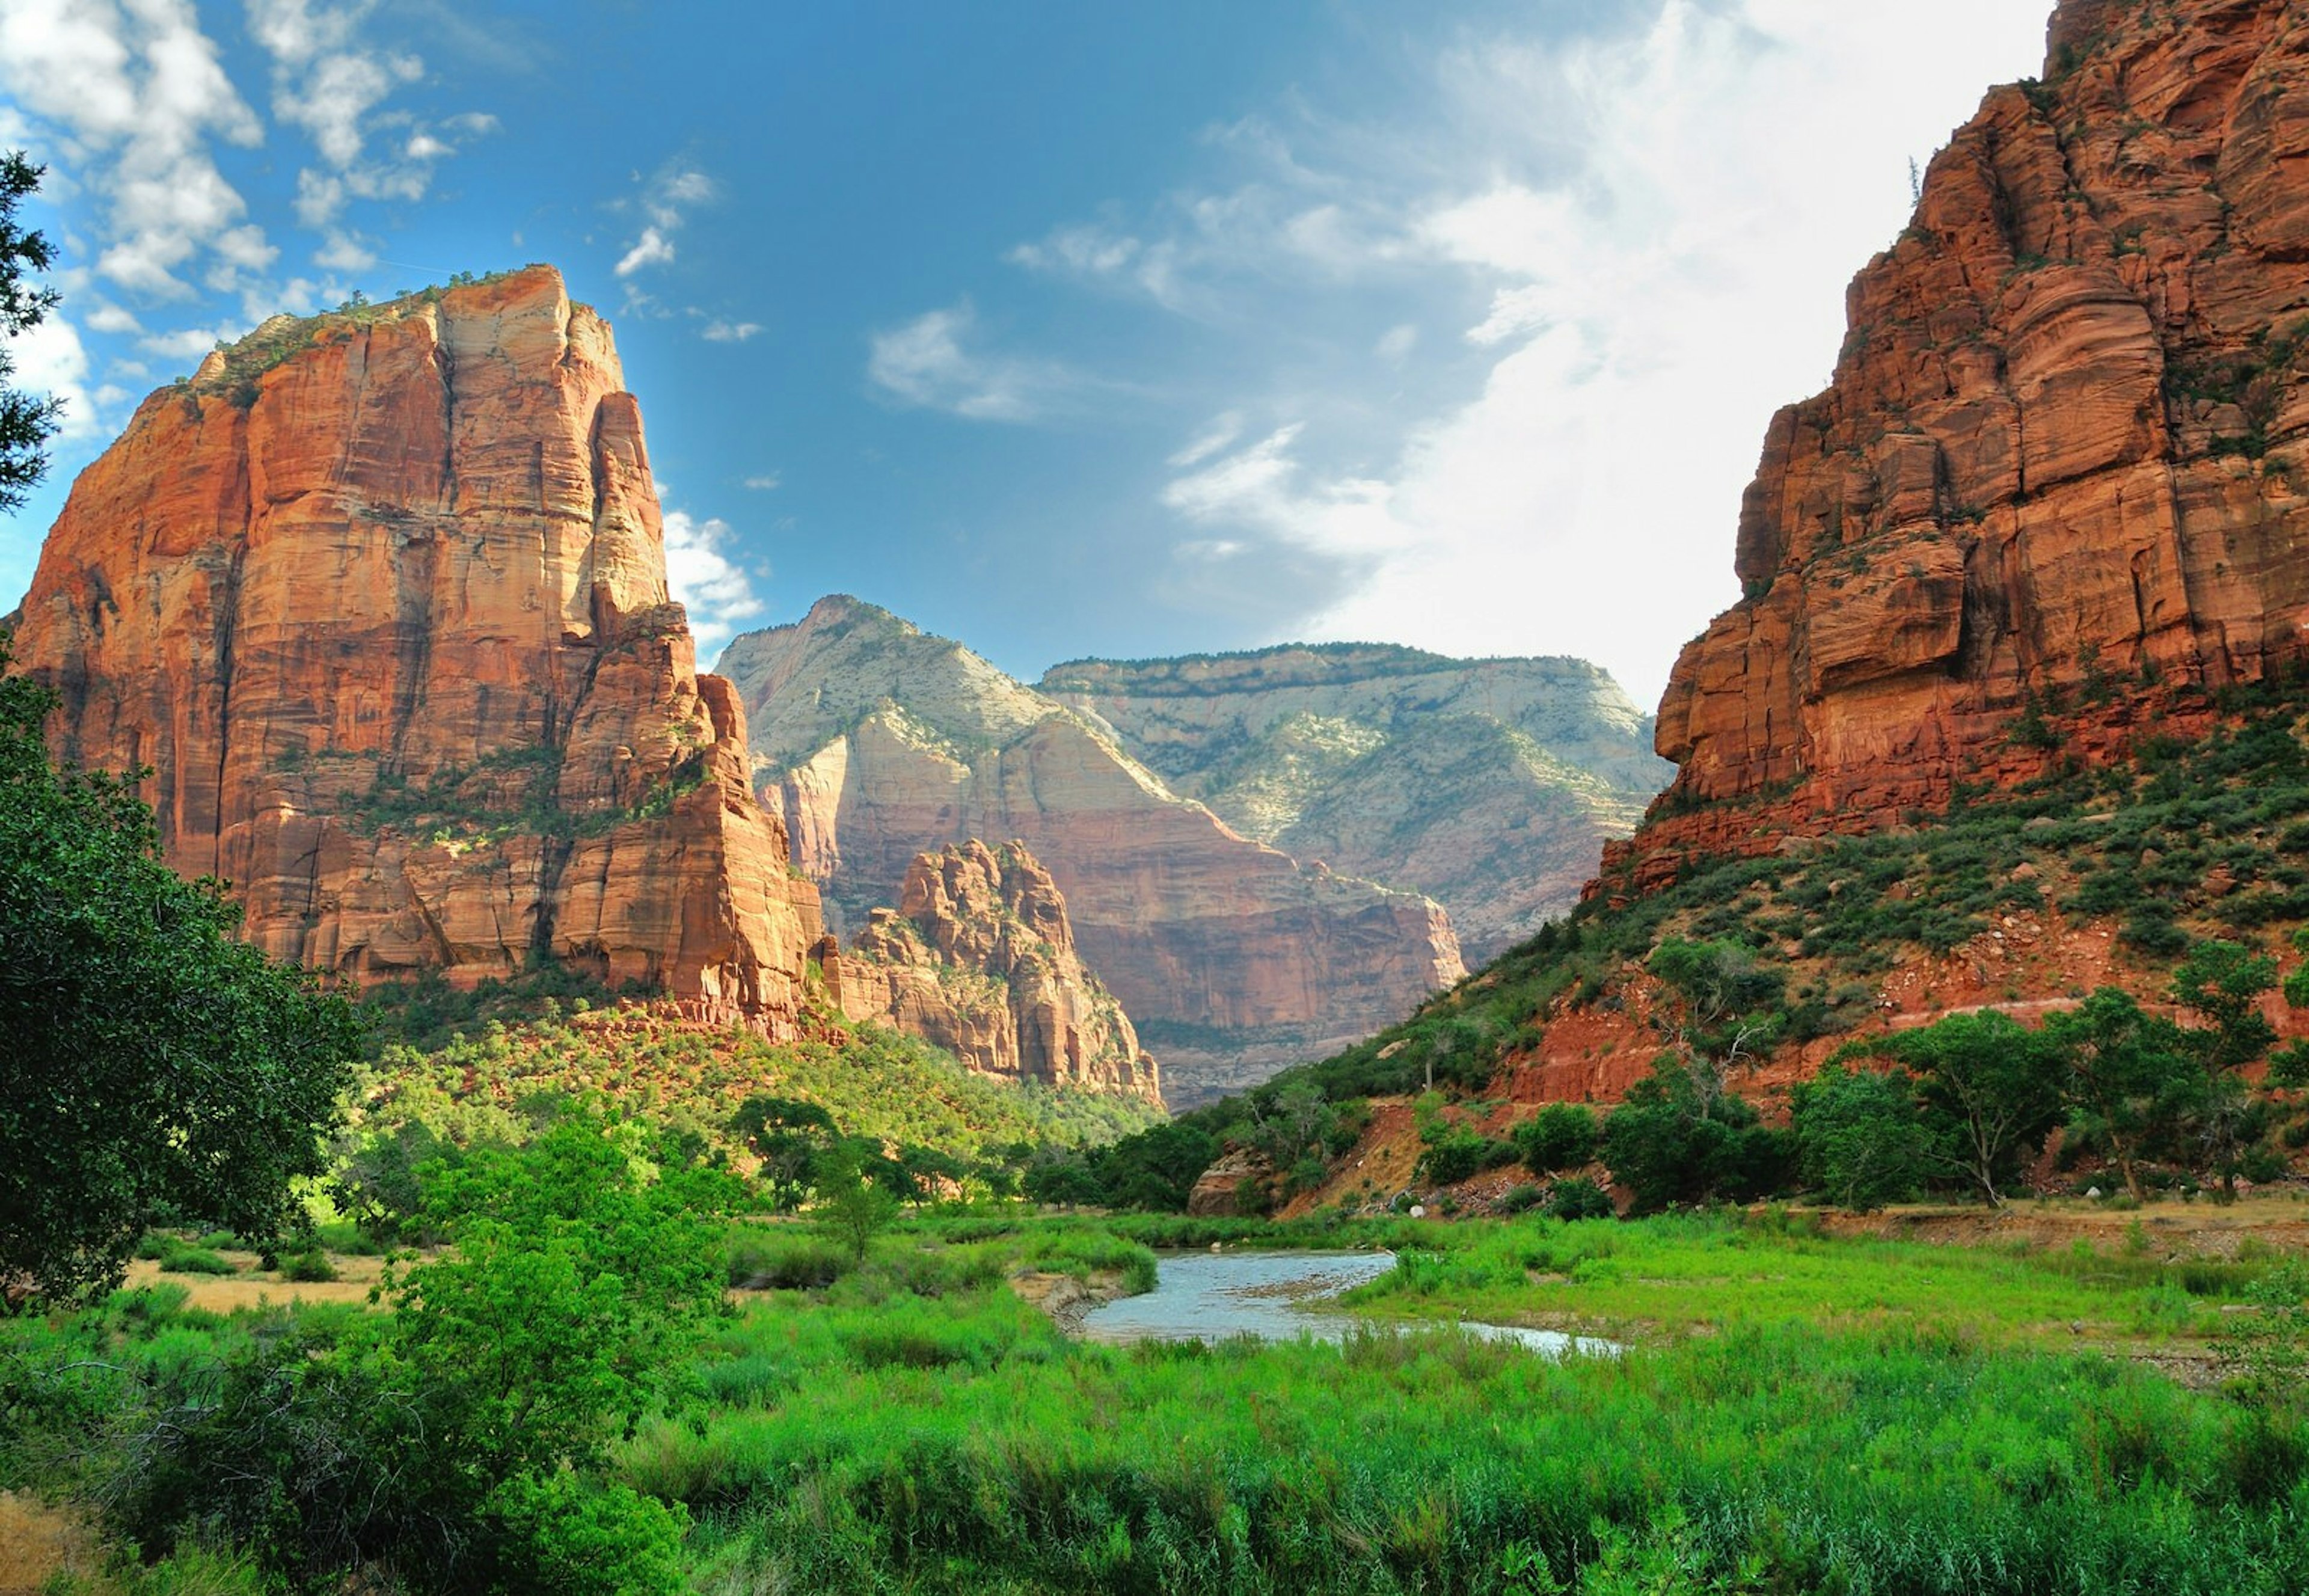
{"type": "Point", "coordinates": [874, 742]}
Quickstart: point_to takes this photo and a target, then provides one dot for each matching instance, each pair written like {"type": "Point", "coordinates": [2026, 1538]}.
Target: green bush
{"type": "Point", "coordinates": [308, 1266]}
{"type": "Point", "coordinates": [1559, 1136]}
{"type": "Point", "coordinates": [1579, 1199]}
{"type": "Point", "coordinates": [194, 1260]}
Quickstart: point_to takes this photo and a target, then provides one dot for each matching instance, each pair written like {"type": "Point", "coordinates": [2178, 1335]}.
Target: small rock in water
{"type": "Point", "coordinates": [1215, 1247]}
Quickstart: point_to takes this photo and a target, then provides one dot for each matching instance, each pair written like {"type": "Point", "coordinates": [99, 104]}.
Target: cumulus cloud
{"type": "Point", "coordinates": [652, 249]}
{"type": "Point", "coordinates": [1658, 226]}
{"type": "Point", "coordinates": [51, 360]}
{"type": "Point", "coordinates": [132, 95]}
{"type": "Point", "coordinates": [933, 362]}
{"type": "Point", "coordinates": [718, 594]}
{"type": "Point", "coordinates": [728, 332]}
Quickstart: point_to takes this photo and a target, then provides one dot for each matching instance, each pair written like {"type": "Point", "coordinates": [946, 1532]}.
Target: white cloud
{"type": "Point", "coordinates": [666, 200]}
{"type": "Point", "coordinates": [51, 360]}
{"type": "Point", "coordinates": [727, 331]}
{"type": "Point", "coordinates": [191, 345]}
{"type": "Point", "coordinates": [111, 318]}
{"type": "Point", "coordinates": [716, 592]}
{"type": "Point", "coordinates": [653, 248]}
{"type": "Point", "coordinates": [132, 95]}
{"type": "Point", "coordinates": [330, 82]}
{"type": "Point", "coordinates": [1663, 224]}
{"type": "Point", "coordinates": [1397, 342]}
{"type": "Point", "coordinates": [930, 362]}
{"type": "Point", "coordinates": [764, 482]}
{"type": "Point", "coordinates": [1221, 431]}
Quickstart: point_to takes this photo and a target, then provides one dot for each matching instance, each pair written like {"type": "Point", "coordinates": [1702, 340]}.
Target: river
{"type": "Point", "coordinates": [1213, 1297]}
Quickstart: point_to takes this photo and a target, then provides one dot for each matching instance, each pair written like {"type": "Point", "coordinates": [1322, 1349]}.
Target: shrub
{"type": "Point", "coordinates": [1559, 1136]}
{"type": "Point", "coordinates": [311, 1266]}
{"type": "Point", "coordinates": [1579, 1199]}
{"type": "Point", "coordinates": [194, 1260]}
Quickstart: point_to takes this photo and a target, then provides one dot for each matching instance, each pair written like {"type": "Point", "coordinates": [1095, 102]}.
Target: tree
{"type": "Point", "coordinates": [1991, 1090]}
{"type": "Point", "coordinates": [2130, 1075]}
{"type": "Point", "coordinates": [2224, 982]}
{"type": "Point", "coordinates": [855, 1209]}
{"type": "Point", "coordinates": [1673, 1141]}
{"type": "Point", "coordinates": [149, 1063]}
{"type": "Point", "coordinates": [1858, 1136]}
{"type": "Point", "coordinates": [25, 422]}
{"type": "Point", "coordinates": [788, 1136]}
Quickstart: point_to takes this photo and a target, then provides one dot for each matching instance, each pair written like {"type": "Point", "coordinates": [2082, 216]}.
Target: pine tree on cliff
{"type": "Point", "coordinates": [26, 422]}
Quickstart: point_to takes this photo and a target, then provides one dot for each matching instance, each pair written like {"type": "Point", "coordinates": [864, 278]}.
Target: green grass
{"type": "Point", "coordinates": [1864, 1416]}
{"type": "Point", "coordinates": [1698, 1274]}
{"type": "Point", "coordinates": [867, 1442]}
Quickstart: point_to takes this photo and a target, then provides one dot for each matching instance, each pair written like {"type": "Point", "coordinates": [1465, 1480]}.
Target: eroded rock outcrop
{"type": "Point", "coordinates": [1491, 785]}
{"type": "Point", "coordinates": [2064, 462]}
{"type": "Point", "coordinates": [877, 741]}
{"type": "Point", "coordinates": [979, 958]}
{"type": "Point", "coordinates": [380, 597]}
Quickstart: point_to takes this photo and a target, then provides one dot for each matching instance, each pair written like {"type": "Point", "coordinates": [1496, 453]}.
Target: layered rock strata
{"type": "Point", "coordinates": [2063, 467]}
{"type": "Point", "coordinates": [380, 598]}
{"type": "Point", "coordinates": [1491, 785]}
{"type": "Point", "coordinates": [979, 958]}
{"type": "Point", "coordinates": [876, 741]}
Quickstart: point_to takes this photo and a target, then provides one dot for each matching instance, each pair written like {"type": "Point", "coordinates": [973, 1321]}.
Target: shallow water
{"type": "Point", "coordinates": [1211, 1296]}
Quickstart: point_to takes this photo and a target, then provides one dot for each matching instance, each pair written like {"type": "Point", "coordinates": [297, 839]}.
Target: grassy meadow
{"type": "Point", "coordinates": [1794, 1412]}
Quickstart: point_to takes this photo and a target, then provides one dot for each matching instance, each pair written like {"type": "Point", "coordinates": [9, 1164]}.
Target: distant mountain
{"type": "Point", "coordinates": [1489, 785]}
{"type": "Point", "coordinates": [877, 741]}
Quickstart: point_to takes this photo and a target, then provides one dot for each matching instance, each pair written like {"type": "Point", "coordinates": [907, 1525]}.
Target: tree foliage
{"type": "Point", "coordinates": [26, 421]}
{"type": "Point", "coordinates": [150, 1064]}
{"type": "Point", "coordinates": [1991, 1090]}
{"type": "Point", "coordinates": [1674, 1140]}
{"type": "Point", "coordinates": [1858, 1136]}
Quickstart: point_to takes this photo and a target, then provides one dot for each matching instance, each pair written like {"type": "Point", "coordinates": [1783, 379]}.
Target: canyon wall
{"type": "Point", "coordinates": [2063, 464]}
{"type": "Point", "coordinates": [380, 598]}
{"type": "Point", "coordinates": [979, 958]}
{"type": "Point", "coordinates": [1491, 785]}
{"type": "Point", "coordinates": [877, 741]}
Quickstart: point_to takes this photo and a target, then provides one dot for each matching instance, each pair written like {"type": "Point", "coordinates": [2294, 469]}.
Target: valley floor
{"type": "Point", "coordinates": [1808, 1403]}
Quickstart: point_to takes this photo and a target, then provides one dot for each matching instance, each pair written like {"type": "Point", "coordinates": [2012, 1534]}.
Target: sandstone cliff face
{"type": "Point", "coordinates": [979, 958]}
{"type": "Point", "coordinates": [2065, 457]}
{"type": "Point", "coordinates": [877, 741]}
{"type": "Point", "coordinates": [1489, 785]}
{"type": "Point", "coordinates": [380, 598]}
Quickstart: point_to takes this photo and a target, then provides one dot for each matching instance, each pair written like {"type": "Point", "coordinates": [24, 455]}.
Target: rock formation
{"type": "Point", "coordinates": [1489, 785]}
{"type": "Point", "coordinates": [2063, 465]}
{"type": "Point", "coordinates": [877, 741]}
{"type": "Point", "coordinates": [380, 598]}
{"type": "Point", "coordinates": [979, 958]}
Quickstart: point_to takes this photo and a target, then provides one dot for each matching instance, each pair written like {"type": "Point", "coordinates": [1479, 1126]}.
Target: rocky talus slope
{"type": "Point", "coordinates": [2064, 458]}
{"type": "Point", "coordinates": [979, 958]}
{"type": "Point", "coordinates": [380, 598]}
{"type": "Point", "coordinates": [877, 741]}
{"type": "Point", "coordinates": [1489, 785]}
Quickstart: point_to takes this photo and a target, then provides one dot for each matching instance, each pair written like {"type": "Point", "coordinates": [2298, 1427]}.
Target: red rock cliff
{"type": "Point", "coordinates": [380, 597]}
{"type": "Point", "coordinates": [2065, 457]}
{"type": "Point", "coordinates": [979, 958]}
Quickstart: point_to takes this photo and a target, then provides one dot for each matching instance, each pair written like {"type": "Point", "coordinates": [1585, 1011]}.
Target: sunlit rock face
{"type": "Point", "coordinates": [380, 598]}
{"type": "Point", "coordinates": [877, 741]}
{"type": "Point", "coordinates": [1490, 785]}
{"type": "Point", "coordinates": [2062, 460]}
{"type": "Point", "coordinates": [979, 957]}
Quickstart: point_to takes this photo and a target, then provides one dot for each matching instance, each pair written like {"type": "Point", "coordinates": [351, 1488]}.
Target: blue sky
{"type": "Point", "coordinates": [1063, 329]}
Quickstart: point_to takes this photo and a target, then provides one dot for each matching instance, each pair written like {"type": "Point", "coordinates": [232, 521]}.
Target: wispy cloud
{"type": "Point", "coordinates": [935, 361]}
{"type": "Point", "coordinates": [666, 200]}
{"type": "Point", "coordinates": [728, 332]}
{"type": "Point", "coordinates": [1656, 272]}
{"type": "Point", "coordinates": [718, 593]}
{"type": "Point", "coordinates": [764, 482]}
{"type": "Point", "coordinates": [331, 80]}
